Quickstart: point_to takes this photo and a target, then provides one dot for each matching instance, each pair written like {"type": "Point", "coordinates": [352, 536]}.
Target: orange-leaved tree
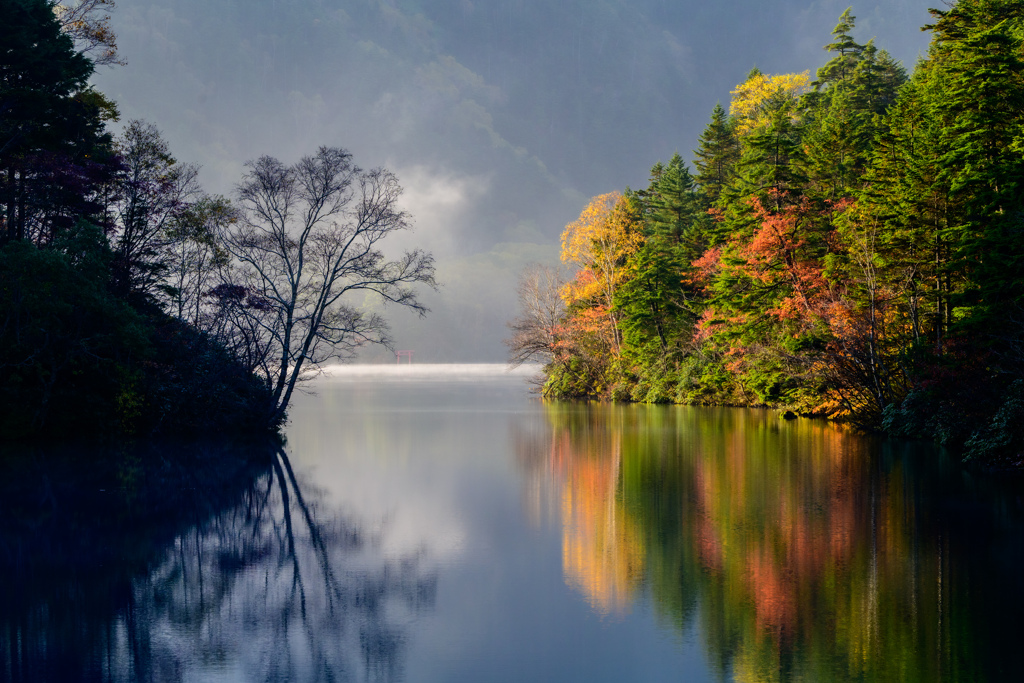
{"type": "Point", "coordinates": [600, 243]}
{"type": "Point", "coordinates": [768, 298]}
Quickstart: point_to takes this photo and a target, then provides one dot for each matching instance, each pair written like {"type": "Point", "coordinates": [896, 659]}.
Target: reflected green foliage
{"type": "Point", "coordinates": [799, 554]}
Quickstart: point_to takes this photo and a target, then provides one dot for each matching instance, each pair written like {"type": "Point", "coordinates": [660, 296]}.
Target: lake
{"type": "Point", "coordinates": [440, 523]}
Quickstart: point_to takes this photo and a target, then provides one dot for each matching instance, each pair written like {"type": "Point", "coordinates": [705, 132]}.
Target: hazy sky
{"type": "Point", "coordinates": [500, 117]}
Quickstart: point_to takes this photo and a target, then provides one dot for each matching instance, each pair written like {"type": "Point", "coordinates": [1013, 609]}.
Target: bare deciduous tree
{"type": "Point", "coordinates": [193, 260]}
{"type": "Point", "coordinates": [88, 24]}
{"type": "Point", "coordinates": [308, 236]}
{"type": "Point", "coordinates": [152, 190]}
{"type": "Point", "coordinates": [536, 330]}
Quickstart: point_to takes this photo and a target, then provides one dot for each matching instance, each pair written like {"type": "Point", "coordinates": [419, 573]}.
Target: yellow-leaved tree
{"type": "Point", "coordinates": [754, 100]}
{"type": "Point", "coordinates": [600, 243]}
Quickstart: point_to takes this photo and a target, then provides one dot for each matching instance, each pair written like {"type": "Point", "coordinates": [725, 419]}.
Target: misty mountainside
{"type": "Point", "coordinates": [500, 118]}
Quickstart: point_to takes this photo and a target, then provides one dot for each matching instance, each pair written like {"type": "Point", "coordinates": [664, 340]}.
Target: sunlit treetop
{"type": "Point", "coordinates": [605, 231]}
{"type": "Point", "coordinates": [755, 100]}
{"type": "Point", "coordinates": [600, 242]}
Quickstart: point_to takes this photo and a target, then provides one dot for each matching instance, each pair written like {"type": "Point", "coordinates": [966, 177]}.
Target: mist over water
{"type": "Point", "coordinates": [435, 372]}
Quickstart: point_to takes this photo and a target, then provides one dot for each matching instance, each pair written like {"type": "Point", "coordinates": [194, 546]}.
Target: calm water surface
{"type": "Point", "coordinates": [443, 525]}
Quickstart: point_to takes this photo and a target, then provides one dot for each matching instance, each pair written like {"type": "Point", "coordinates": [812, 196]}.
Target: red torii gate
{"type": "Point", "coordinates": [399, 354]}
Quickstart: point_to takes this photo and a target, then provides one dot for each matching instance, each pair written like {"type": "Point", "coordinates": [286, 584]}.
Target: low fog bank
{"type": "Point", "coordinates": [415, 371]}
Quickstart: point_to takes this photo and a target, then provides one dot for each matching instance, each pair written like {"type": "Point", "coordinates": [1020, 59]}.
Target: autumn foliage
{"type": "Point", "coordinates": [848, 248]}
{"type": "Point", "coordinates": [786, 548]}
{"type": "Point", "coordinates": [754, 99]}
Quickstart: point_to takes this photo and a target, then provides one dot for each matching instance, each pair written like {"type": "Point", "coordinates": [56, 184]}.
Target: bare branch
{"type": "Point", "coordinates": [536, 331]}
{"type": "Point", "coordinates": [88, 24]}
{"type": "Point", "coordinates": [307, 237]}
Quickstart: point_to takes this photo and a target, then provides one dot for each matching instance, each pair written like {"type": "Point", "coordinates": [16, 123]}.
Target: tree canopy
{"type": "Point", "coordinates": [850, 246]}
{"type": "Point", "coordinates": [131, 301]}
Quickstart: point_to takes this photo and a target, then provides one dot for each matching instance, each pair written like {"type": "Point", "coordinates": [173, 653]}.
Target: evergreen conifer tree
{"type": "Point", "coordinates": [977, 93]}
{"type": "Point", "coordinates": [674, 209]}
{"type": "Point", "coordinates": [716, 155]}
{"type": "Point", "coordinates": [847, 50]}
{"type": "Point", "coordinates": [53, 143]}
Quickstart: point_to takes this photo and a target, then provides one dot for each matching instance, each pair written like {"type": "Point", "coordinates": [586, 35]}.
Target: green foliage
{"type": "Point", "coordinates": [703, 379]}
{"type": "Point", "coordinates": [85, 350]}
{"type": "Point", "coordinates": [653, 304]}
{"type": "Point", "coordinates": [81, 362]}
{"type": "Point", "coordinates": [54, 150]}
{"type": "Point", "coordinates": [923, 414]}
{"type": "Point", "coordinates": [847, 52]}
{"type": "Point", "coordinates": [1002, 440]}
{"type": "Point", "coordinates": [857, 252]}
{"type": "Point", "coordinates": [575, 378]}
{"type": "Point", "coordinates": [672, 209]}
{"type": "Point", "coordinates": [40, 75]}
{"type": "Point", "coordinates": [63, 340]}
{"type": "Point", "coordinates": [976, 91]}
{"type": "Point", "coordinates": [716, 156]}
{"type": "Point", "coordinates": [656, 296]}
{"type": "Point", "coordinates": [770, 166]}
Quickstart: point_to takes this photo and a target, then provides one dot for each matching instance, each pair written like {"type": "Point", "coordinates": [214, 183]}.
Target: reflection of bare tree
{"type": "Point", "coordinates": [271, 588]}
{"type": "Point", "coordinates": [271, 591]}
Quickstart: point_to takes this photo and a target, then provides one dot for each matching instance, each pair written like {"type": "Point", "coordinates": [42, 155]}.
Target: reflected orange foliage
{"type": "Point", "coordinates": [602, 547]}
{"type": "Point", "coordinates": [784, 544]}
{"type": "Point", "coordinates": [789, 545]}
{"type": "Point", "coordinates": [773, 594]}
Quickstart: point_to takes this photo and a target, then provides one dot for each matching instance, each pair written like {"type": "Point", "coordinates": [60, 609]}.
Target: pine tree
{"type": "Point", "coordinates": [716, 155]}
{"type": "Point", "coordinates": [848, 54]}
{"type": "Point", "coordinates": [655, 302]}
{"type": "Point", "coordinates": [858, 83]}
{"type": "Point", "coordinates": [836, 142]}
{"type": "Point", "coordinates": [876, 80]}
{"type": "Point", "coordinates": [52, 137]}
{"type": "Point", "coordinates": [905, 193]}
{"type": "Point", "coordinates": [771, 163]}
{"type": "Point", "coordinates": [977, 93]}
{"type": "Point", "coordinates": [674, 208]}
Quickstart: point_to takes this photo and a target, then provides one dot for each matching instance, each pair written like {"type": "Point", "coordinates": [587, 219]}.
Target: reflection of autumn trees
{"type": "Point", "coordinates": [602, 550]}
{"type": "Point", "coordinates": [777, 528]}
{"type": "Point", "coordinates": [602, 545]}
{"type": "Point", "coordinates": [801, 555]}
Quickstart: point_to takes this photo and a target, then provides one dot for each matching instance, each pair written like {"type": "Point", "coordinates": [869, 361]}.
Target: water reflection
{"type": "Point", "coordinates": [800, 551]}
{"type": "Point", "coordinates": [721, 539]}
{"type": "Point", "coordinates": [203, 561]}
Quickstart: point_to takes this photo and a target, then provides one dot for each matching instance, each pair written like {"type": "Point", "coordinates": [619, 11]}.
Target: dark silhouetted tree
{"type": "Point", "coordinates": [309, 238]}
